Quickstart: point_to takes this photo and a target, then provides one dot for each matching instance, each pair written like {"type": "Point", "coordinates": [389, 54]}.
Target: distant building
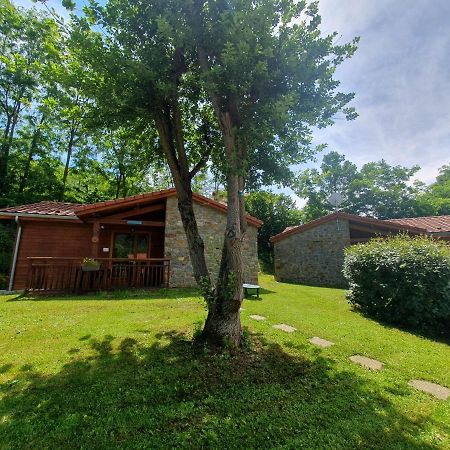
{"type": "Point", "coordinates": [313, 253]}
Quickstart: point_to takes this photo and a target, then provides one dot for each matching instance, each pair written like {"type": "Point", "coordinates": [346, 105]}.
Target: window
{"type": "Point", "coordinates": [128, 245]}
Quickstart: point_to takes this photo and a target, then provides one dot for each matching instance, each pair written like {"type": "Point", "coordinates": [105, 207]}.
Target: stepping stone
{"type": "Point", "coordinates": [321, 342]}
{"type": "Point", "coordinates": [284, 327]}
{"type": "Point", "coordinates": [368, 363]}
{"type": "Point", "coordinates": [438, 391]}
{"type": "Point", "coordinates": [256, 317]}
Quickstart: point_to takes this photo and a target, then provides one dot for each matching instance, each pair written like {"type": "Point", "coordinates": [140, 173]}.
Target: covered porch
{"type": "Point", "coordinates": [54, 274]}
{"type": "Point", "coordinates": [126, 241]}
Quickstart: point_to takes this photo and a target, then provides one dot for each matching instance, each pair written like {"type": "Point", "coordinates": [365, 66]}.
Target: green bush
{"type": "Point", "coordinates": [402, 280]}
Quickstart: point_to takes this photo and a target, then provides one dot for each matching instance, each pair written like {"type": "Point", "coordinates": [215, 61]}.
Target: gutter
{"type": "Point", "coordinates": [39, 216]}
{"type": "Point", "coordinates": [16, 253]}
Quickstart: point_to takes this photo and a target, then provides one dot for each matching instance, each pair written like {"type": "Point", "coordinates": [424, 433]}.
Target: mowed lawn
{"type": "Point", "coordinates": [119, 371]}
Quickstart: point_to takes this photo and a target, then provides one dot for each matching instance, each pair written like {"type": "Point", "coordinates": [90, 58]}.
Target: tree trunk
{"type": "Point", "coordinates": [68, 157]}
{"type": "Point", "coordinates": [182, 180]}
{"type": "Point", "coordinates": [31, 153]}
{"type": "Point", "coordinates": [223, 325]}
{"type": "Point", "coordinates": [8, 136]}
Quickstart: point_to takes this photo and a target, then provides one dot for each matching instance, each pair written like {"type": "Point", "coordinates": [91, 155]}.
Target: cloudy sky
{"type": "Point", "coordinates": [401, 77]}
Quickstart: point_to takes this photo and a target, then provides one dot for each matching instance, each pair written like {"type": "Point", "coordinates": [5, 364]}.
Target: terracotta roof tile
{"type": "Point", "coordinates": [433, 224]}
{"type": "Point", "coordinates": [346, 216]}
{"type": "Point", "coordinates": [46, 208]}
{"type": "Point", "coordinates": [76, 209]}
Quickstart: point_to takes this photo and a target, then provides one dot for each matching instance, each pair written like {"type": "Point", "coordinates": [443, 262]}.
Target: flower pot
{"type": "Point", "coordinates": [90, 268]}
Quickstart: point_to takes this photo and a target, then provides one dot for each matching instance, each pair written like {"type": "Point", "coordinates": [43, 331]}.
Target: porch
{"type": "Point", "coordinates": [56, 274]}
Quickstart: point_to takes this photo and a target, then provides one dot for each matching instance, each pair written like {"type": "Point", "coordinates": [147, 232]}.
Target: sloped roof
{"type": "Point", "coordinates": [44, 208]}
{"type": "Point", "coordinates": [433, 224]}
{"type": "Point", "coordinates": [353, 217]}
{"type": "Point", "coordinates": [82, 211]}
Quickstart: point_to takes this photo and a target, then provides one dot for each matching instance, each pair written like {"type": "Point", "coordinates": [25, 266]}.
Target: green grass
{"type": "Point", "coordinates": [106, 372]}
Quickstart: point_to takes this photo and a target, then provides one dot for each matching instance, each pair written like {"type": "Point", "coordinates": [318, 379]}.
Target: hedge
{"type": "Point", "coordinates": [402, 280]}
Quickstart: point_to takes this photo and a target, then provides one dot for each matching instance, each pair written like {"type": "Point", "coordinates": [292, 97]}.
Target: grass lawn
{"type": "Point", "coordinates": [105, 371]}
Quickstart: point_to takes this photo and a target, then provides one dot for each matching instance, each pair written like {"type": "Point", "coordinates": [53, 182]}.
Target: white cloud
{"type": "Point", "coordinates": [400, 75]}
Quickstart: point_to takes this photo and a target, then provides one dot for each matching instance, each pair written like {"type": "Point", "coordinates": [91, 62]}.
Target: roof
{"type": "Point", "coordinates": [74, 210]}
{"type": "Point", "coordinates": [43, 208]}
{"type": "Point", "coordinates": [433, 224]}
{"type": "Point", "coordinates": [353, 217]}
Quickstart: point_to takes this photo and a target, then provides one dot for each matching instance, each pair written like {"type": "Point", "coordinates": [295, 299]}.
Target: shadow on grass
{"type": "Point", "coordinates": [170, 395]}
{"type": "Point", "coordinates": [440, 334]}
{"type": "Point", "coordinates": [119, 294]}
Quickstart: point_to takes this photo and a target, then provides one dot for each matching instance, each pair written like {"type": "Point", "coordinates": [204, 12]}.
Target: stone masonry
{"type": "Point", "coordinates": [314, 256]}
{"type": "Point", "coordinates": [211, 224]}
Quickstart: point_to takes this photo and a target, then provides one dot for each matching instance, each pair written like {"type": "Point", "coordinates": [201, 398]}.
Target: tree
{"type": "Point", "coordinates": [28, 43]}
{"type": "Point", "coordinates": [436, 198]}
{"type": "Point", "coordinates": [258, 74]}
{"type": "Point", "coordinates": [277, 211]}
{"type": "Point", "coordinates": [378, 189]}
{"type": "Point", "coordinates": [336, 175]}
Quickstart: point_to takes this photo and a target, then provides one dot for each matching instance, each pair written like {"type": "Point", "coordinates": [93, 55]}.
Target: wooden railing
{"type": "Point", "coordinates": [51, 274]}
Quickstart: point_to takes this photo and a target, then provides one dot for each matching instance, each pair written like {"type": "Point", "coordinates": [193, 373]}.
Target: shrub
{"type": "Point", "coordinates": [403, 280]}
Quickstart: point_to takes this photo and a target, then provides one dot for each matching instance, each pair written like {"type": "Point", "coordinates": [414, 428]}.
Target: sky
{"type": "Point", "coordinates": [401, 77]}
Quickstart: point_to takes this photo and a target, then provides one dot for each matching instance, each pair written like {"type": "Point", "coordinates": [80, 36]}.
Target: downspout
{"type": "Point", "coordinates": [16, 253]}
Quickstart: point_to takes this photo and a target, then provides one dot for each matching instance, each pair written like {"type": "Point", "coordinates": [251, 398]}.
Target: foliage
{"type": "Point", "coordinates": [119, 371]}
{"type": "Point", "coordinates": [277, 211]}
{"type": "Point", "coordinates": [90, 262]}
{"type": "Point", "coordinates": [436, 198]}
{"type": "Point", "coordinates": [29, 45]}
{"type": "Point", "coordinates": [403, 280]}
{"type": "Point", "coordinates": [377, 189]}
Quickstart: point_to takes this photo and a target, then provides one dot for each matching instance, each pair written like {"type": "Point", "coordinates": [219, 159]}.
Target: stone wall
{"type": "Point", "coordinates": [314, 256]}
{"type": "Point", "coordinates": [211, 224]}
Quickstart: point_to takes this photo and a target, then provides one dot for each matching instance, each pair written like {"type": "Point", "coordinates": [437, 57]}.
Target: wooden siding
{"type": "Point", "coordinates": [50, 238]}
{"type": "Point", "coordinates": [66, 239]}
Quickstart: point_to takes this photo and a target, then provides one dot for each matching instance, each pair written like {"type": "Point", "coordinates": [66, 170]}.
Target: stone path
{"type": "Point", "coordinates": [368, 363]}
{"type": "Point", "coordinates": [438, 391]}
{"type": "Point", "coordinates": [284, 327]}
{"type": "Point", "coordinates": [321, 342]}
{"type": "Point", "coordinates": [256, 317]}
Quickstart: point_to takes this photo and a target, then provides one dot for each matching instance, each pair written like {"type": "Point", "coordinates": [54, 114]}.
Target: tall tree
{"type": "Point", "coordinates": [336, 174]}
{"type": "Point", "coordinates": [378, 189]}
{"type": "Point", "coordinates": [277, 211]}
{"type": "Point", "coordinates": [436, 198]}
{"type": "Point", "coordinates": [27, 44]}
{"type": "Point", "coordinates": [258, 72]}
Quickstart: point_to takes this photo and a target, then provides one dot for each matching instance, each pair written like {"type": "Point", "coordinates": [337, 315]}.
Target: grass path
{"type": "Point", "coordinates": [107, 372]}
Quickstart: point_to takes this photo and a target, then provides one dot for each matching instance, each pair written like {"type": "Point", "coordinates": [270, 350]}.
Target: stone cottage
{"type": "Point", "coordinates": [313, 253]}
{"type": "Point", "coordinates": [137, 241]}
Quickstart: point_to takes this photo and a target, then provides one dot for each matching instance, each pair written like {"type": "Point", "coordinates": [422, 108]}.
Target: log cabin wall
{"type": "Point", "coordinates": [55, 238]}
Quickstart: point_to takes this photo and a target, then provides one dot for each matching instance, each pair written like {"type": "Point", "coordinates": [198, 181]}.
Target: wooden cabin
{"type": "Point", "coordinates": [136, 241]}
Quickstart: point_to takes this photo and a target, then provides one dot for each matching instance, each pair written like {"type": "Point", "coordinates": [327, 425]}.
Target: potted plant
{"type": "Point", "coordinates": [89, 265]}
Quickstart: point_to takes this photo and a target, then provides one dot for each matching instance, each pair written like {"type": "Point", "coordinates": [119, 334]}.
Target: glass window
{"type": "Point", "coordinates": [128, 245]}
{"type": "Point", "coordinates": [123, 246]}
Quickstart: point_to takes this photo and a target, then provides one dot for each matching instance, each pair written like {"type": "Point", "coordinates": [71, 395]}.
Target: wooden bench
{"type": "Point", "coordinates": [248, 287]}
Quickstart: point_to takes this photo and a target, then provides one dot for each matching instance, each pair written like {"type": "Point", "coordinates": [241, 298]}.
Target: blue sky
{"type": "Point", "coordinates": [401, 77]}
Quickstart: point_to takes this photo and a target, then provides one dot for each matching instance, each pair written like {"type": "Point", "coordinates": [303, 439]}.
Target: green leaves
{"type": "Point", "coordinates": [401, 280]}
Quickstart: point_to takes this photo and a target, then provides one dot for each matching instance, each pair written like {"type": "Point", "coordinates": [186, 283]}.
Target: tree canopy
{"type": "Point", "coordinates": [377, 189]}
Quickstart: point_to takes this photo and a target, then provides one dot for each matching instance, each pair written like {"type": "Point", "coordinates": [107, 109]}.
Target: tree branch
{"type": "Point", "coordinates": [200, 164]}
